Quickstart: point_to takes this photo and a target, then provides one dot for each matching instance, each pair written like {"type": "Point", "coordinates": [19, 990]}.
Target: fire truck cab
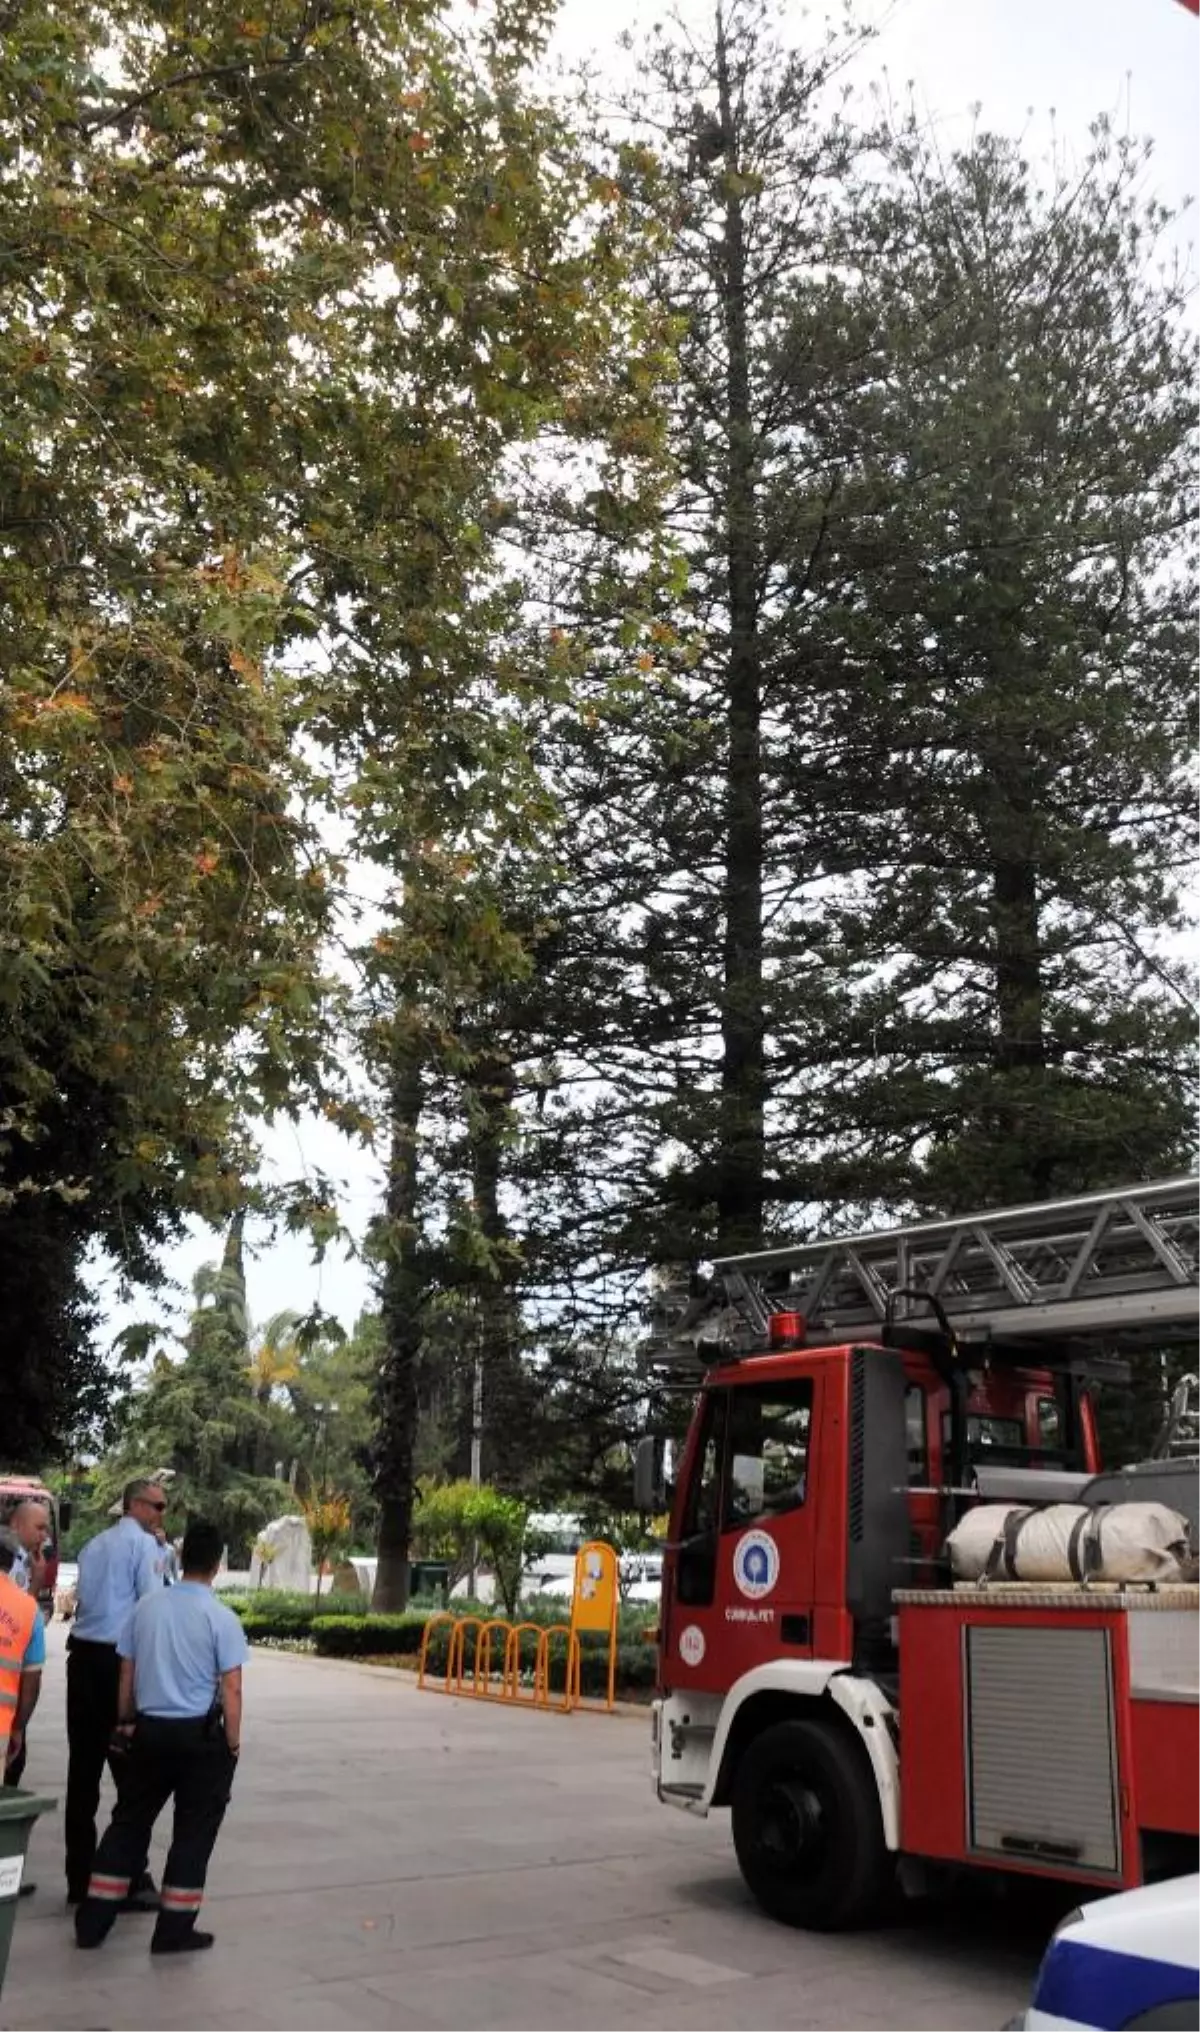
{"type": "Point", "coordinates": [822, 1677]}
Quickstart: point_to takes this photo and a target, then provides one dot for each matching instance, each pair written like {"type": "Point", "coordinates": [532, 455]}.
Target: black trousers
{"type": "Point", "coordinates": [93, 1687]}
{"type": "Point", "coordinates": [190, 1762]}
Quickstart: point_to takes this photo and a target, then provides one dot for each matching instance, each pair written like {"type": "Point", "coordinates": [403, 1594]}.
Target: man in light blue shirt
{"type": "Point", "coordinates": [181, 1650]}
{"type": "Point", "coordinates": [119, 1567]}
{"type": "Point", "coordinates": [115, 1571]}
{"type": "Point", "coordinates": [182, 1654]}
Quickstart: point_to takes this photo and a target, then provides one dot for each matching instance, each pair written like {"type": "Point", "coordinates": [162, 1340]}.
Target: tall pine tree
{"type": "Point", "coordinates": [1002, 664]}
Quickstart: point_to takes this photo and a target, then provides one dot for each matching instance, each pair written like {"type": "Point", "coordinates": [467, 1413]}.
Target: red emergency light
{"type": "Point", "coordinates": [786, 1330]}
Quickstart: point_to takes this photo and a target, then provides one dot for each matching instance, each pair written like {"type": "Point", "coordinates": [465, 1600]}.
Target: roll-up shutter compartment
{"type": "Point", "coordinates": [1041, 1757]}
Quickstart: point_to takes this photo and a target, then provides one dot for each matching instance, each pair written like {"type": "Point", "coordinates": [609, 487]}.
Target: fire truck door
{"type": "Point", "coordinates": [744, 1588]}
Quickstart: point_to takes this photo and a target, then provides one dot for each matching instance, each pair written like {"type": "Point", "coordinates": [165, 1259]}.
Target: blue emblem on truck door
{"type": "Point", "coordinates": [755, 1564]}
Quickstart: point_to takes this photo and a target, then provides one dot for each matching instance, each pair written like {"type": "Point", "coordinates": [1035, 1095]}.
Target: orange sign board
{"type": "Point", "coordinates": [594, 1606]}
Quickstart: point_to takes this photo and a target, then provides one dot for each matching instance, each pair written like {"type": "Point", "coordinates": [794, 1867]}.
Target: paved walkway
{"type": "Point", "coordinates": [396, 1860]}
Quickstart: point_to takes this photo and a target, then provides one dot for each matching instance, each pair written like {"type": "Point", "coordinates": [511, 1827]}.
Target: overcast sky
{"type": "Point", "coordinates": [1023, 61]}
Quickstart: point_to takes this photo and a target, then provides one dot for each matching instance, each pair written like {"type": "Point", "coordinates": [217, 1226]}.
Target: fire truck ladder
{"type": "Point", "coordinates": [1120, 1268]}
{"type": "Point", "coordinates": [1181, 1427]}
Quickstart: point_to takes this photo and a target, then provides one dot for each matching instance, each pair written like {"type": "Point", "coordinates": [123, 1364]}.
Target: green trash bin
{"type": "Point", "coordinates": [429, 1577]}
{"type": "Point", "coordinates": [18, 1811]}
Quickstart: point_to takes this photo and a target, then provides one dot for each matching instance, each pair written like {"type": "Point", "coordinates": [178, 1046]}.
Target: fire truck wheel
{"type": "Point", "coordinates": [807, 1826]}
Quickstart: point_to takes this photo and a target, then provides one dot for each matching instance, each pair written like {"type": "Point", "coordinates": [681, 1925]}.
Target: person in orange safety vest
{"type": "Point", "coordinates": [22, 1653]}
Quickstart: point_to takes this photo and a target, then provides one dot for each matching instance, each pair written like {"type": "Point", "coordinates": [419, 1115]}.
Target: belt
{"type": "Point", "coordinates": [209, 1723]}
{"type": "Point", "coordinates": [75, 1643]}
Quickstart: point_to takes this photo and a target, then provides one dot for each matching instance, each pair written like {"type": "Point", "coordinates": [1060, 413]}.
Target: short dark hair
{"type": "Point", "coordinates": [142, 1487]}
{"type": "Point", "coordinates": [203, 1546]}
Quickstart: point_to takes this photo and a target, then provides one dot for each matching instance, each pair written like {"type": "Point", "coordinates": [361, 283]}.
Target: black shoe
{"type": "Point", "coordinates": [143, 1897]}
{"type": "Point", "coordinates": [182, 1943]}
{"type": "Point", "coordinates": [92, 1928]}
{"type": "Point", "coordinates": [27, 1890]}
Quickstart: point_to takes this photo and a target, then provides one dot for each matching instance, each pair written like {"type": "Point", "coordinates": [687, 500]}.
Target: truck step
{"type": "Point", "coordinates": [687, 1797]}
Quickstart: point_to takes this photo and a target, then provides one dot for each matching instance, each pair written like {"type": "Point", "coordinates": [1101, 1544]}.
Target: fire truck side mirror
{"type": "Point", "coordinates": [64, 1514]}
{"type": "Point", "coordinates": [647, 1486]}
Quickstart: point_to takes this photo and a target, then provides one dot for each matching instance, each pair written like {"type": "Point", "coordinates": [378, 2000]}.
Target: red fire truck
{"type": "Point", "coordinates": [820, 1673]}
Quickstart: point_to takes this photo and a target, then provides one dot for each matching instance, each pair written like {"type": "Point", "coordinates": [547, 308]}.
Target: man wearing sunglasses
{"type": "Point", "coordinates": [115, 1570]}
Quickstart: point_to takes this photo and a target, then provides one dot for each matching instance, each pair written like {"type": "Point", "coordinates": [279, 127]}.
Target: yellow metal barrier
{"type": "Point", "coordinates": [483, 1660]}
{"type": "Point", "coordinates": [442, 1616]}
{"type": "Point", "coordinates": [512, 1662]}
{"type": "Point", "coordinates": [593, 1609]}
{"type": "Point", "coordinates": [456, 1663]}
{"type": "Point", "coordinates": [570, 1692]}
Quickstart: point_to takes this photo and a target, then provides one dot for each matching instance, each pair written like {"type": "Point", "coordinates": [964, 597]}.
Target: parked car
{"type": "Point", "coordinates": [641, 1581]}
{"type": "Point", "coordinates": [559, 1586]}
{"type": "Point", "coordinates": [1130, 1963]}
{"type": "Point", "coordinates": [558, 1535]}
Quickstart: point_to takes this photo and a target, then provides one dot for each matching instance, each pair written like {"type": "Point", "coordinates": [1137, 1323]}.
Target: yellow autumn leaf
{"type": "Point", "coordinates": [247, 667]}
{"type": "Point", "coordinates": [68, 702]}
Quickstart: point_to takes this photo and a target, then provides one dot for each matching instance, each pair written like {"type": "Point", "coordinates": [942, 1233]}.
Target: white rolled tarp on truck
{"type": "Point", "coordinates": [1066, 1541]}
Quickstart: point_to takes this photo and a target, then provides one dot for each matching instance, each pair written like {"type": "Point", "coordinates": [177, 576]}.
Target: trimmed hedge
{"type": "Point", "coordinates": [542, 1609]}
{"type": "Point", "coordinates": [368, 1636]}
{"type": "Point", "coordinates": [273, 1615]}
{"type": "Point", "coordinates": [283, 1605]}
{"type": "Point", "coordinates": [632, 1617]}
{"type": "Point", "coordinates": [270, 1629]}
{"type": "Point", "coordinates": [341, 1626]}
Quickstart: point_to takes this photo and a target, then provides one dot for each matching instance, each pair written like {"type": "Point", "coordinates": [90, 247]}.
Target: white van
{"type": "Point", "coordinates": [552, 1572]}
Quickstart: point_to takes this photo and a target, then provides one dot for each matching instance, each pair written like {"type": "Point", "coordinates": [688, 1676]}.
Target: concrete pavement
{"type": "Point", "coordinates": [397, 1860]}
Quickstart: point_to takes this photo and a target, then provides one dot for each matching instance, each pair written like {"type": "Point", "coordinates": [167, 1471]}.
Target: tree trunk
{"type": "Point", "coordinates": [396, 1391]}
{"type": "Point", "coordinates": [505, 1407]}
{"type": "Point", "coordinates": [1020, 1039]}
{"type": "Point", "coordinates": [741, 1160]}
{"type": "Point", "coordinates": [1021, 1121]}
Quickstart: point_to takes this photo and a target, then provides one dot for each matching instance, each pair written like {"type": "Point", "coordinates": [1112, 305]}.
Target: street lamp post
{"type": "Point", "coordinates": [325, 1412]}
{"type": "Point", "coordinates": [476, 1451]}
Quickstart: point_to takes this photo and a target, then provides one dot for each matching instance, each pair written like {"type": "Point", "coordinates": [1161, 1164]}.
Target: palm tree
{"type": "Point", "coordinates": [274, 1360]}
{"type": "Point", "coordinates": [225, 1282]}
